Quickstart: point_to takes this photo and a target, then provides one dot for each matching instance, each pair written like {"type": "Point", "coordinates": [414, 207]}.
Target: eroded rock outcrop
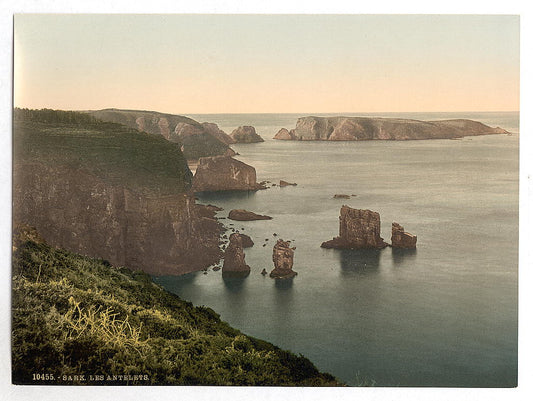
{"type": "Point", "coordinates": [78, 211]}
{"type": "Point", "coordinates": [245, 215]}
{"type": "Point", "coordinates": [358, 229]}
{"type": "Point", "coordinates": [223, 173]}
{"type": "Point", "coordinates": [234, 257]}
{"type": "Point", "coordinates": [402, 239]}
{"type": "Point", "coordinates": [366, 128]}
{"type": "Point", "coordinates": [283, 257]}
{"type": "Point", "coordinates": [246, 134]}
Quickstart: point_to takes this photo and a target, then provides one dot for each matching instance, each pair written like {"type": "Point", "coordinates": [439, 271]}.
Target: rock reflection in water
{"type": "Point", "coordinates": [359, 261]}
{"type": "Point", "coordinates": [283, 283]}
{"type": "Point", "coordinates": [400, 256]}
{"type": "Point", "coordinates": [234, 281]}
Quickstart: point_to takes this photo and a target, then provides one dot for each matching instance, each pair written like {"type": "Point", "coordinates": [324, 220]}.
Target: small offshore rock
{"type": "Point", "coordinates": [246, 134]}
{"type": "Point", "coordinates": [402, 239]}
{"type": "Point", "coordinates": [245, 215]}
{"type": "Point", "coordinates": [285, 183]}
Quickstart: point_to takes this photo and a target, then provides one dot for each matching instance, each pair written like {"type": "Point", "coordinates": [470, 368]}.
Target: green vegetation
{"type": "Point", "coordinates": [114, 153]}
{"type": "Point", "coordinates": [201, 144]}
{"type": "Point", "coordinates": [73, 315]}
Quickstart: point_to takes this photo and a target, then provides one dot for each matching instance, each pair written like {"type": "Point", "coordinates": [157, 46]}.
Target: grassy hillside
{"type": "Point", "coordinates": [115, 153]}
{"type": "Point", "coordinates": [201, 144]}
{"type": "Point", "coordinates": [73, 315]}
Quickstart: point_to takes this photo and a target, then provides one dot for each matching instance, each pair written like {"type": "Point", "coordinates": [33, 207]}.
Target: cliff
{"type": "Point", "coordinates": [365, 128]}
{"type": "Point", "coordinates": [111, 192]}
{"type": "Point", "coordinates": [358, 229]}
{"type": "Point", "coordinates": [246, 134]}
{"type": "Point", "coordinates": [198, 140]}
{"type": "Point", "coordinates": [220, 173]}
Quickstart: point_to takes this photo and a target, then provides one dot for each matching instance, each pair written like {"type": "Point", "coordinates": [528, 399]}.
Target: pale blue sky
{"type": "Point", "coordinates": [268, 63]}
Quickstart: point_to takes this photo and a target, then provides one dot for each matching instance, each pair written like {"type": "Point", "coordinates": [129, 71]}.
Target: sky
{"type": "Point", "coordinates": [187, 64]}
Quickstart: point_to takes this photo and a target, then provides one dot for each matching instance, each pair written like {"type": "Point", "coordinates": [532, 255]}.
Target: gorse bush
{"type": "Point", "coordinates": [80, 318]}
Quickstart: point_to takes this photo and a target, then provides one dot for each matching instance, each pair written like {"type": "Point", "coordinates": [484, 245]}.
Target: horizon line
{"type": "Point", "coordinates": [273, 112]}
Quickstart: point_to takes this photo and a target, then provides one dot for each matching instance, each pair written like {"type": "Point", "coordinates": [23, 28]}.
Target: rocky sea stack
{"type": "Point", "coordinates": [234, 263]}
{"type": "Point", "coordinates": [222, 173]}
{"type": "Point", "coordinates": [283, 256]}
{"type": "Point", "coordinates": [246, 134]}
{"type": "Point", "coordinates": [365, 128]}
{"type": "Point", "coordinates": [402, 239]}
{"type": "Point", "coordinates": [358, 229]}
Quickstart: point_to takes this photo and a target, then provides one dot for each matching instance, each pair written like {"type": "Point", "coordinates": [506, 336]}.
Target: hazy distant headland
{"type": "Point", "coordinates": [197, 139]}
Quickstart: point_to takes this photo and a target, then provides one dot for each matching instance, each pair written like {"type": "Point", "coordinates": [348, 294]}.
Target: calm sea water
{"type": "Point", "coordinates": [443, 315]}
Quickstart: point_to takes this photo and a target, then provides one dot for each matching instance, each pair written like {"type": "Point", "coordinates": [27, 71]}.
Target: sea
{"type": "Point", "coordinates": [443, 315]}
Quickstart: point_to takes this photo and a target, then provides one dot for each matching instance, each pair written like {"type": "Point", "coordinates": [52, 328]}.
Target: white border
{"type": "Point", "coordinates": [8, 7]}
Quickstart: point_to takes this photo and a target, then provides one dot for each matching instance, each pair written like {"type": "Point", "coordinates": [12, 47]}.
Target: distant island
{"type": "Point", "coordinates": [375, 128]}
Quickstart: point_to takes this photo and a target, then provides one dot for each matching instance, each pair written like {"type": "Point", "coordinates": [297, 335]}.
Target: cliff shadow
{"type": "Point", "coordinates": [359, 261]}
{"type": "Point", "coordinates": [175, 284]}
{"type": "Point", "coordinates": [401, 256]}
{"type": "Point", "coordinates": [214, 196]}
{"type": "Point", "coordinates": [234, 282]}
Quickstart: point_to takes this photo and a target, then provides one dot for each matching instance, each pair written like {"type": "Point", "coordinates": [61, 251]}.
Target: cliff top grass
{"type": "Point", "coordinates": [72, 315]}
{"type": "Point", "coordinates": [123, 156]}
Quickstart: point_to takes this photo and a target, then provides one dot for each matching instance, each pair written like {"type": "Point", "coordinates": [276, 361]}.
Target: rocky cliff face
{"type": "Point", "coordinates": [283, 257]}
{"type": "Point", "coordinates": [74, 209]}
{"type": "Point", "coordinates": [358, 229]}
{"type": "Point", "coordinates": [197, 140]}
{"type": "Point", "coordinates": [222, 173]}
{"type": "Point", "coordinates": [246, 134]}
{"type": "Point", "coordinates": [234, 256]}
{"type": "Point", "coordinates": [402, 239]}
{"type": "Point", "coordinates": [365, 128]}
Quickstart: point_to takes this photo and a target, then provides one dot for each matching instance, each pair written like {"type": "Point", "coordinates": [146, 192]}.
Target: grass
{"type": "Point", "coordinates": [117, 154]}
{"type": "Point", "coordinates": [73, 315]}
